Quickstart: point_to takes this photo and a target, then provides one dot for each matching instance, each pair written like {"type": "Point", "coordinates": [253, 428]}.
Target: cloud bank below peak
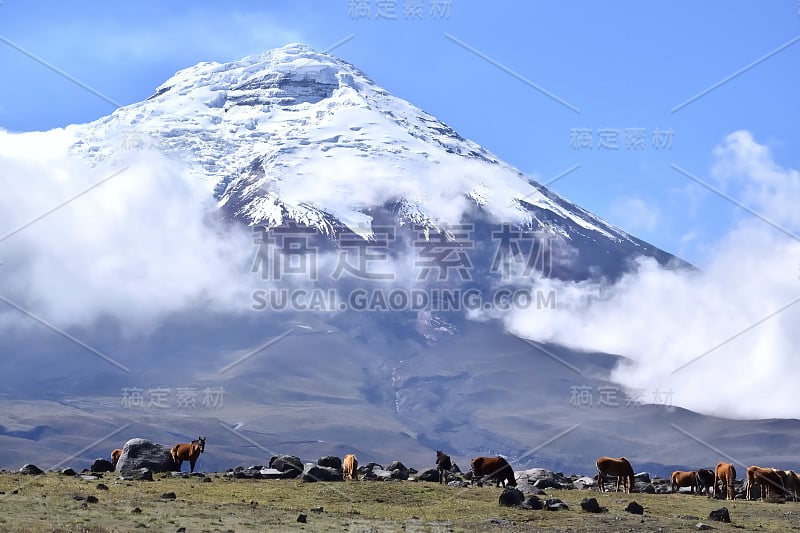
{"type": "Point", "coordinates": [716, 338]}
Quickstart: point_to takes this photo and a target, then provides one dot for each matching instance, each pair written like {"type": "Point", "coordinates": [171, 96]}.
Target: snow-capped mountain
{"type": "Point", "coordinates": [296, 135]}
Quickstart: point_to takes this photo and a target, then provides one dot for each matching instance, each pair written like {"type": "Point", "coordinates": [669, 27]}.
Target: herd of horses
{"type": "Point", "coordinates": [189, 451]}
{"type": "Point", "coordinates": [773, 483]}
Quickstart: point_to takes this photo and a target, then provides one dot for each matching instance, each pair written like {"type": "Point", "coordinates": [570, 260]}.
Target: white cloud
{"type": "Point", "coordinates": [635, 215]}
{"type": "Point", "coordinates": [663, 319]}
{"type": "Point", "coordinates": [137, 247]}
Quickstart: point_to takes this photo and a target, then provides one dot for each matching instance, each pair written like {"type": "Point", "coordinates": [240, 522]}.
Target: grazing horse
{"type": "Point", "coordinates": [684, 479]}
{"type": "Point", "coordinates": [725, 473]}
{"type": "Point", "coordinates": [791, 485]}
{"type": "Point", "coordinates": [188, 452]}
{"type": "Point", "coordinates": [619, 467]}
{"type": "Point", "coordinates": [496, 468]}
{"type": "Point", "coordinates": [705, 481]}
{"type": "Point", "coordinates": [443, 464]}
{"type": "Point", "coordinates": [115, 455]}
{"type": "Point", "coordinates": [350, 466]}
{"type": "Point", "coordinates": [768, 479]}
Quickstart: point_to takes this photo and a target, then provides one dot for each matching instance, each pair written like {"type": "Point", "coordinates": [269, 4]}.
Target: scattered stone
{"type": "Point", "coordinates": [168, 496]}
{"type": "Point", "coordinates": [206, 479]}
{"type": "Point", "coordinates": [313, 472]}
{"type": "Point", "coordinates": [141, 474]}
{"type": "Point", "coordinates": [458, 484]}
{"type": "Point", "coordinates": [89, 478]}
{"type": "Point", "coordinates": [330, 461]}
{"type": "Point", "coordinates": [688, 517]}
{"type": "Point", "coordinates": [703, 527]}
{"type": "Point", "coordinates": [102, 486]}
{"type": "Point", "coordinates": [136, 510]}
{"type": "Point", "coordinates": [645, 487]}
{"type": "Point", "coordinates": [290, 465]}
{"type": "Point", "coordinates": [534, 503]}
{"type": "Point", "coordinates": [302, 518]}
{"type": "Point", "coordinates": [634, 508]}
{"type": "Point", "coordinates": [138, 454]}
{"type": "Point", "coordinates": [184, 475]}
{"type": "Point", "coordinates": [91, 499]}
{"type": "Point", "coordinates": [78, 498]}
{"type": "Point", "coordinates": [316, 509]}
{"type": "Point", "coordinates": [181, 530]}
{"type": "Point", "coordinates": [590, 505]}
{"type": "Point", "coordinates": [720, 515]}
{"type": "Point", "coordinates": [31, 470]}
{"type": "Point", "coordinates": [511, 497]}
{"type": "Point", "coordinates": [101, 465]}
{"type": "Point", "coordinates": [499, 522]}
{"type": "Point", "coordinates": [69, 472]}
{"type": "Point", "coordinates": [554, 504]}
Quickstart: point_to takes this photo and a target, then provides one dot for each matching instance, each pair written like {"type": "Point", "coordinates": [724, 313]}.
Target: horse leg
{"type": "Point", "coordinates": [192, 461]}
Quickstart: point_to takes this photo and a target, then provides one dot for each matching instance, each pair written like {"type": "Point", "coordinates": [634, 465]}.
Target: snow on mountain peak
{"type": "Point", "coordinates": [294, 133]}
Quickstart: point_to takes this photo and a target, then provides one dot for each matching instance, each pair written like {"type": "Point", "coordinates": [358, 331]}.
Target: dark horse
{"type": "Point", "coordinates": [188, 452]}
{"type": "Point", "coordinates": [443, 464]}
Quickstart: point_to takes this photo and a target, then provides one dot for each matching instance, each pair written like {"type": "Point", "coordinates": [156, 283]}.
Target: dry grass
{"type": "Point", "coordinates": [48, 503]}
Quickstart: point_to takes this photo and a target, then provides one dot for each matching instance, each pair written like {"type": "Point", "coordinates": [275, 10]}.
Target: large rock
{"type": "Point", "coordinates": [313, 472]}
{"type": "Point", "coordinates": [330, 461]}
{"type": "Point", "coordinates": [142, 453]}
{"type": "Point", "coordinates": [584, 482]}
{"type": "Point", "coordinates": [290, 465]}
{"type": "Point", "coordinates": [31, 470]}
{"type": "Point", "coordinates": [430, 474]}
{"type": "Point", "coordinates": [511, 497]}
{"type": "Point", "coordinates": [102, 465]}
{"type": "Point", "coordinates": [139, 474]}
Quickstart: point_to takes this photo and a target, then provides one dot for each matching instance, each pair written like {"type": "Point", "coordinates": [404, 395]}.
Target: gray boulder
{"type": "Point", "coordinates": [31, 470]}
{"type": "Point", "coordinates": [330, 461]}
{"type": "Point", "coordinates": [101, 465]}
{"type": "Point", "coordinates": [290, 465]}
{"type": "Point", "coordinates": [396, 465]}
{"type": "Point", "coordinates": [140, 474]}
{"type": "Point", "coordinates": [430, 474]}
{"type": "Point", "coordinates": [642, 476]}
{"type": "Point", "coordinates": [142, 453]}
{"type": "Point", "coordinates": [313, 472]}
{"type": "Point", "coordinates": [584, 482]}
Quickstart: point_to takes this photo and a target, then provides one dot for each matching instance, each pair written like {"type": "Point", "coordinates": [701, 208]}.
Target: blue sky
{"type": "Point", "coordinates": [520, 78]}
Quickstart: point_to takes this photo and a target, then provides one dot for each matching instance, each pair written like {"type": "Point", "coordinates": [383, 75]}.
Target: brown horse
{"type": "Point", "coordinates": [188, 452]}
{"type": "Point", "coordinates": [443, 465]}
{"type": "Point", "coordinates": [350, 466]}
{"type": "Point", "coordinates": [115, 455]}
{"type": "Point", "coordinates": [496, 468]}
{"type": "Point", "coordinates": [619, 467]}
{"type": "Point", "coordinates": [684, 479]}
{"type": "Point", "coordinates": [768, 479]}
{"type": "Point", "coordinates": [725, 473]}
